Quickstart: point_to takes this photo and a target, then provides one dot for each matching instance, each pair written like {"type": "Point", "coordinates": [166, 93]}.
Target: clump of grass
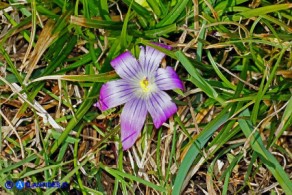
{"type": "Point", "coordinates": [231, 134]}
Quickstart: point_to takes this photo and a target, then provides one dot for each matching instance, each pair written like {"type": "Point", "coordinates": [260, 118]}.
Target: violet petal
{"type": "Point", "coordinates": [126, 66]}
{"type": "Point", "coordinates": [132, 120]}
{"type": "Point", "coordinates": [114, 93]}
{"type": "Point", "coordinates": [160, 107]}
{"type": "Point", "coordinates": [150, 58]}
{"type": "Point", "coordinates": [166, 79]}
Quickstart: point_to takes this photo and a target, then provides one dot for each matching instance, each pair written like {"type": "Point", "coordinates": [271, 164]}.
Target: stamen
{"type": "Point", "coordinates": [144, 83]}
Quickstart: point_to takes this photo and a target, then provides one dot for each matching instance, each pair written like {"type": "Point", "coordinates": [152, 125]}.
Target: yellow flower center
{"type": "Point", "coordinates": [144, 84]}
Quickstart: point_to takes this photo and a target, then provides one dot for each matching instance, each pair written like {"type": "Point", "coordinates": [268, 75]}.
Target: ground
{"type": "Point", "coordinates": [231, 133]}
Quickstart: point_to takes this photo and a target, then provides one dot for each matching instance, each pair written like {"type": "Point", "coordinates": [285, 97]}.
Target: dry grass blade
{"type": "Point", "coordinates": [45, 39]}
{"type": "Point", "coordinates": [231, 133]}
{"type": "Point", "coordinates": [35, 105]}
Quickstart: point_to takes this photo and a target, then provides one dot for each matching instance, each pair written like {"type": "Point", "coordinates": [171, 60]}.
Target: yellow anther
{"type": "Point", "coordinates": [144, 85]}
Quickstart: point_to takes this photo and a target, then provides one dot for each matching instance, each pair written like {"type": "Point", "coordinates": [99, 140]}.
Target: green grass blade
{"type": "Point", "coordinates": [124, 35]}
{"type": "Point", "coordinates": [219, 73]}
{"type": "Point", "coordinates": [174, 14]}
{"type": "Point", "coordinates": [285, 122]}
{"type": "Point", "coordinates": [139, 9]}
{"type": "Point", "coordinates": [249, 13]}
{"type": "Point", "coordinates": [28, 159]}
{"type": "Point", "coordinates": [267, 158]}
{"type": "Point", "coordinates": [154, 6]}
{"type": "Point", "coordinates": [261, 93]}
{"type": "Point", "coordinates": [154, 33]}
{"type": "Point", "coordinates": [131, 177]}
{"type": "Point", "coordinates": [192, 153]}
{"type": "Point", "coordinates": [33, 172]}
{"type": "Point", "coordinates": [197, 79]}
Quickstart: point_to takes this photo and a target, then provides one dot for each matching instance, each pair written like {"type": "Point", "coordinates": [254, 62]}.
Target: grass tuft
{"type": "Point", "coordinates": [230, 135]}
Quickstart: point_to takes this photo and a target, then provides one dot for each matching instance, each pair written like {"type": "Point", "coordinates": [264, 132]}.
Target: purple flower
{"type": "Point", "coordinates": [141, 88]}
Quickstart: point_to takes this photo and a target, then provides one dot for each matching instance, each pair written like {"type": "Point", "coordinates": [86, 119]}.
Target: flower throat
{"type": "Point", "coordinates": [144, 84]}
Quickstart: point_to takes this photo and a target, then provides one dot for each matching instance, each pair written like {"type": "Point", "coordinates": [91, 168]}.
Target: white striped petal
{"type": "Point", "coordinates": [160, 107]}
{"type": "Point", "coordinates": [132, 120]}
